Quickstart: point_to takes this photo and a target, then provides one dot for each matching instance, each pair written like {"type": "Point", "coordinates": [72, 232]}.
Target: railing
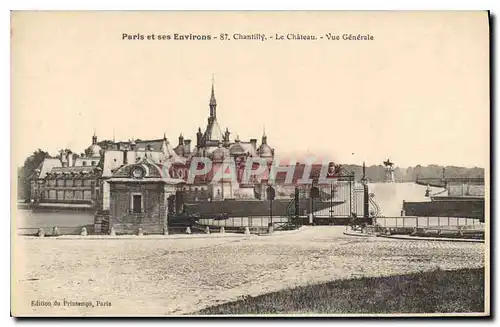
{"type": "Point", "coordinates": [242, 221]}
{"type": "Point", "coordinates": [411, 221]}
{"type": "Point", "coordinates": [51, 231]}
{"type": "Point", "coordinates": [430, 226]}
{"type": "Point", "coordinates": [254, 224]}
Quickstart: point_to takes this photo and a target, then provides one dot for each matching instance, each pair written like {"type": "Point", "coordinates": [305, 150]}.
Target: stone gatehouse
{"type": "Point", "coordinates": [141, 197]}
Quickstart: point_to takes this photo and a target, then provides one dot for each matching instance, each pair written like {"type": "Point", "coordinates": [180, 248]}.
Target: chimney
{"type": "Point", "coordinates": [187, 146]}
{"type": "Point", "coordinates": [70, 158]}
{"type": "Point", "coordinates": [64, 159]}
{"type": "Point", "coordinates": [254, 144]}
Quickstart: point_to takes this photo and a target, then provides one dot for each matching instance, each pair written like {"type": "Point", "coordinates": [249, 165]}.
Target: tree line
{"type": "Point", "coordinates": [376, 173]}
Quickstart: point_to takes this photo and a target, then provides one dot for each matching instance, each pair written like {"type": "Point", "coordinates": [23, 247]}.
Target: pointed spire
{"type": "Point", "coordinates": [164, 135]}
{"type": "Point", "coordinates": [264, 137]}
{"type": "Point", "coordinates": [213, 102]}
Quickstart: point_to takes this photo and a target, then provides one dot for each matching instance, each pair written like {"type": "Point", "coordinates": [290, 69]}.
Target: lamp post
{"type": "Point", "coordinates": [271, 194]}
{"type": "Point", "coordinates": [314, 194]}
{"type": "Point", "coordinates": [364, 181]}
{"type": "Point", "coordinates": [297, 204]}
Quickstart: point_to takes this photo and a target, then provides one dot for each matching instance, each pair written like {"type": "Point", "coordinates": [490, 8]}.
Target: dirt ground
{"type": "Point", "coordinates": [173, 276]}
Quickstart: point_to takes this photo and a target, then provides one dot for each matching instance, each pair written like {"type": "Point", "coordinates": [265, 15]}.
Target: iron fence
{"type": "Point", "coordinates": [424, 222]}
{"type": "Point", "coordinates": [455, 227]}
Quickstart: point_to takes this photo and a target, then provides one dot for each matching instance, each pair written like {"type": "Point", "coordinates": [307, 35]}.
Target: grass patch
{"type": "Point", "coordinates": [456, 291]}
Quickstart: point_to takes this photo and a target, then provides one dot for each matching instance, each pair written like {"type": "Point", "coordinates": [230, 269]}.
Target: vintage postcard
{"type": "Point", "coordinates": [250, 163]}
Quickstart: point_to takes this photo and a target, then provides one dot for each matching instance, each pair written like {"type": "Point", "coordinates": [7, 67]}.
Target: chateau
{"type": "Point", "coordinates": [81, 181]}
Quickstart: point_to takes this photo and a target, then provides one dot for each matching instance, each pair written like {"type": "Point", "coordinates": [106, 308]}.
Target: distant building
{"type": "Point", "coordinates": [80, 182]}
{"type": "Point", "coordinates": [222, 150]}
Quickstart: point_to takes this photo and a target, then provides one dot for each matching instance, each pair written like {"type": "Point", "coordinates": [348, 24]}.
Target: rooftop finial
{"type": "Point", "coordinates": [94, 138]}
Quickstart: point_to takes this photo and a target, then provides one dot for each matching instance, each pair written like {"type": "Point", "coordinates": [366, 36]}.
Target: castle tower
{"type": "Point", "coordinates": [389, 171]}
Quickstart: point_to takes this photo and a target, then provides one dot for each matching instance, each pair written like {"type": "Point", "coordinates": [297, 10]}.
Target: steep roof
{"type": "Point", "coordinates": [171, 155]}
{"type": "Point", "coordinates": [46, 166]}
{"type": "Point", "coordinates": [156, 145]}
{"type": "Point", "coordinates": [112, 160]}
{"type": "Point", "coordinates": [213, 131]}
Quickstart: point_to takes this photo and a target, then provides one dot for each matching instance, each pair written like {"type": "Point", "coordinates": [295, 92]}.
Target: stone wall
{"type": "Point", "coordinates": [151, 219]}
{"type": "Point", "coordinates": [464, 189]}
{"type": "Point", "coordinates": [461, 208]}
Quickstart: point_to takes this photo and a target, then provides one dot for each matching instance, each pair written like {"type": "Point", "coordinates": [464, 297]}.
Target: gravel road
{"type": "Point", "coordinates": [162, 276]}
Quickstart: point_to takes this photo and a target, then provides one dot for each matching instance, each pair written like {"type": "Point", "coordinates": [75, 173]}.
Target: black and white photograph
{"type": "Point", "coordinates": [250, 164]}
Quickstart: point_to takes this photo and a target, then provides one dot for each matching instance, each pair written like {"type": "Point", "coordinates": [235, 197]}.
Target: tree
{"type": "Point", "coordinates": [75, 156]}
{"type": "Point", "coordinates": [30, 164]}
{"type": "Point", "coordinates": [33, 161]}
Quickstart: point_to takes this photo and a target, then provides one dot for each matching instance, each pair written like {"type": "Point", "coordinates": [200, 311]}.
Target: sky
{"type": "Point", "coordinates": [417, 94]}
